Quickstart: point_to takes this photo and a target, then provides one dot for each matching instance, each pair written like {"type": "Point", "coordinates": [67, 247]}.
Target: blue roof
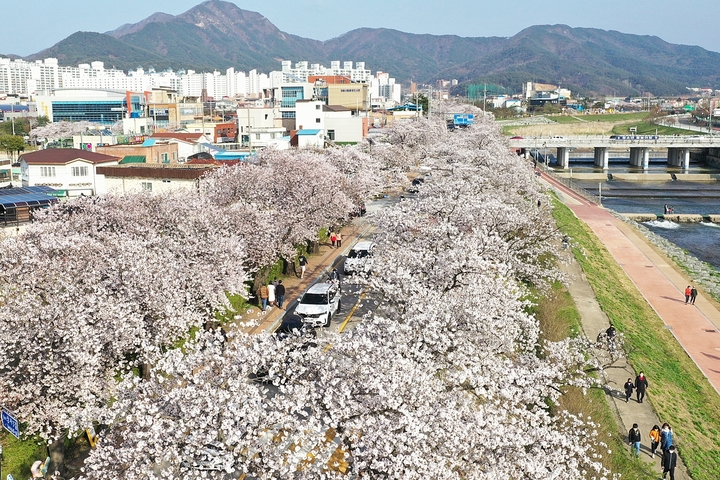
{"type": "Point", "coordinates": [149, 142]}
{"type": "Point", "coordinates": [231, 155]}
{"type": "Point", "coordinates": [308, 132]}
{"type": "Point", "coordinates": [26, 196]}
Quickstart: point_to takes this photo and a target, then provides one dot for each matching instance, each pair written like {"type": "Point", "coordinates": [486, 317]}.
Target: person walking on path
{"type": "Point", "coordinates": [634, 439]}
{"type": "Point", "coordinates": [693, 294]}
{"type": "Point", "coordinates": [654, 440]}
{"type": "Point", "coordinates": [669, 462]}
{"type": "Point", "coordinates": [338, 239]}
{"type": "Point", "coordinates": [280, 294]}
{"type": "Point", "coordinates": [271, 294]}
{"type": "Point", "coordinates": [688, 292]}
{"type": "Point", "coordinates": [263, 293]}
{"type": "Point", "coordinates": [303, 263]}
{"type": "Point", "coordinates": [610, 334]}
{"type": "Point", "coordinates": [666, 438]}
{"type": "Point", "coordinates": [333, 239]}
{"type": "Point", "coordinates": [641, 384]}
{"type": "Point", "coordinates": [629, 387]}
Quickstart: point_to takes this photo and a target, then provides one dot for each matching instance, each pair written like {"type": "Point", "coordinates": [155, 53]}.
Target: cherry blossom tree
{"type": "Point", "coordinates": [99, 286]}
{"type": "Point", "coordinates": [447, 377]}
{"type": "Point", "coordinates": [58, 130]}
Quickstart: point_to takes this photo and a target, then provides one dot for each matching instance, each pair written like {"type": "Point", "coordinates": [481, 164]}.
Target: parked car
{"type": "Point", "coordinates": [293, 324]}
{"type": "Point", "coordinates": [318, 304]}
{"type": "Point", "coordinates": [359, 258]}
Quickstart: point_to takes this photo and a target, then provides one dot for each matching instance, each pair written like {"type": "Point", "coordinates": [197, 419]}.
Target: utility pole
{"type": "Point", "coordinates": [430, 102]}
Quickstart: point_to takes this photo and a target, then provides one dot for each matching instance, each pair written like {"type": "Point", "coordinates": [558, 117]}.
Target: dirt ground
{"type": "Point", "coordinates": [574, 129]}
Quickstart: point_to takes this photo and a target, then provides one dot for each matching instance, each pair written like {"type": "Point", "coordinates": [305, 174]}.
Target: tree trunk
{"type": "Point", "coordinates": [145, 371]}
{"type": "Point", "coordinates": [57, 456]}
{"type": "Point", "coordinates": [288, 268]}
{"type": "Point", "coordinates": [313, 247]}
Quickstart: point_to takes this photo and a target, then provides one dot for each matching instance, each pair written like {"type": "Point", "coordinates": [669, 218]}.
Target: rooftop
{"type": "Point", "coordinates": [62, 156]}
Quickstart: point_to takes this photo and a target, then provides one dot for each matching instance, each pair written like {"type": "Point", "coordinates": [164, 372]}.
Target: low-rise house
{"type": "Point", "coordinates": [188, 144]}
{"type": "Point", "coordinates": [154, 150]}
{"type": "Point", "coordinates": [307, 138]}
{"type": "Point", "coordinates": [153, 178]}
{"type": "Point", "coordinates": [71, 171]}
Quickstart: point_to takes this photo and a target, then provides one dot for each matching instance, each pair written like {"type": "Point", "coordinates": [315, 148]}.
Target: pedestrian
{"type": "Point", "coordinates": [280, 293]}
{"type": "Point", "coordinates": [654, 440]}
{"type": "Point", "coordinates": [338, 239]}
{"type": "Point", "coordinates": [610, 333]}
{"type": "Point", "coordinates": [303, 263]}
{"type": "Point", "coordinates": [271, 294]}
{"type": "Point", "coordinates": [693, 294]}
{"type": "Point", "coordinates": [688, 292]}
{"type": "Point", "coordinates": [629, 387]}
{"type": "Point", "coordinates": [634, 439]}
{"type": "Point", "coordinates": [565, 242]}
{"type": "Point", "coordinates": [666, 438]}
{"type": "Point", "coordinates": [333, 238]}
{"type": "Point", "coordinates": [334, 276]}
{"type": "Point", "coordinates": [263, 293]}
{"type": "Point", "coordinates": [669, 462]}
{"type": "Point", "coordinates": [641, 385]}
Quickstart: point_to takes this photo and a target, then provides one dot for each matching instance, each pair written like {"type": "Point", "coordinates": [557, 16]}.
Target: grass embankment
{"type": "Point", "coordinates": [559, 318]}
{"type": "Point", "coordinates": [649, 128]}
{"type": "Point", "coordinates": [679, 392]}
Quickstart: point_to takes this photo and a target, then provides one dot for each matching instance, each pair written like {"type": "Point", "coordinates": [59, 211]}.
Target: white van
{"type": "Point", "coordinates": [359, 258]}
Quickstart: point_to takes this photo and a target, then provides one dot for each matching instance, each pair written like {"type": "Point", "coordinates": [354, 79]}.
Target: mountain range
{"type": "Point", "coordinates": [216, 35]}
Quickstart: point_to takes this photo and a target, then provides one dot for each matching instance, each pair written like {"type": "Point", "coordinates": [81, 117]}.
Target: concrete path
{"type": "Point", "coordinates": [594, 320]}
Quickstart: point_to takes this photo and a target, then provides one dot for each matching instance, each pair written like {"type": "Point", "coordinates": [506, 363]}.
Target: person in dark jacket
{"type": "Point", "coordinates": [641, 384]}
{"type": "Point", "coordinates": [666, 438]}
{"type": "Point", "coordinates": [634, 439]}
{"type": "Point", "coordinates": [629, 387]}
{"type": "Point", "coordinates": [669, 462]}
{"type": "Point", "coordinates": [280, 294]}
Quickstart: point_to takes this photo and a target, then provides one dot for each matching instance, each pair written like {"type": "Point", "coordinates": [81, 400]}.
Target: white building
{"type": "Point", "coordinates": [301, 71]}
{"type": "Point", "coordinates": [72, 171]}
{"type": "Point", "coordinates": [336, 123]}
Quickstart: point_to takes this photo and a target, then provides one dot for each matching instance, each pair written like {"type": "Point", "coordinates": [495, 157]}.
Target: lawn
{"type": "Point", "coordinates": [605, 117]}
{"type": "Point", "coordinates": [681, 395]}
{"type": "Point", "coordinates": [649, 128]}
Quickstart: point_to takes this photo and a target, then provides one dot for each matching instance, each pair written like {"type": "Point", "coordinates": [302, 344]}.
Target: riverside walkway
{"type": "Point", "coordinates": [696, 327]}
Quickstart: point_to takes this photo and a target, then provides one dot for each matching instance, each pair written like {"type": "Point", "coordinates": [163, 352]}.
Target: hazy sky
{"type": "Point", "coordinates": [32, 25]}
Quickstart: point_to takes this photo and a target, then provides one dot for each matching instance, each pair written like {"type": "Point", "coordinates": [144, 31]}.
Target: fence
{"type": "Point", "coordinates": [590, 197]}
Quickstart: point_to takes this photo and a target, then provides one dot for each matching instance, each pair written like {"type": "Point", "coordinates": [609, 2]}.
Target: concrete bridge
{"type": "Point", "coordinates": [678, 147]}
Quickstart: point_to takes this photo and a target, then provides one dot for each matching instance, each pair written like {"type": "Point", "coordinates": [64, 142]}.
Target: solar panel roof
{"type": "Point", "coordinates": [26, 197]}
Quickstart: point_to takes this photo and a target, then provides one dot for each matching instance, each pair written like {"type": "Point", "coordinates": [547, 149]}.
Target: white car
{"type": "Point", "coordinates": [318, 304]}
{"type": "Point", "coordinates": [359, 258]}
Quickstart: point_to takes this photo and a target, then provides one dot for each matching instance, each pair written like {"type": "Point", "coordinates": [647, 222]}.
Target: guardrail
{"type": "Point", "coordinates": [569, 184]}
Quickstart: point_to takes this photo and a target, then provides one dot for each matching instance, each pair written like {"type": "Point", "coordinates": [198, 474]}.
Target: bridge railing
{"type": "Point", "coordinates": [569, 184]}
